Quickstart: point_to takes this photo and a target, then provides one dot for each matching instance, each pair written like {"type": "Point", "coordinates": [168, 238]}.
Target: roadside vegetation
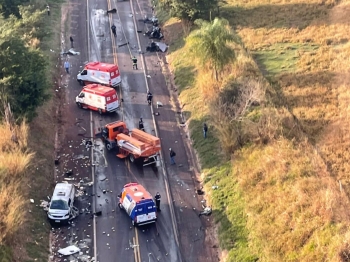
{"type": "Point", "coordinates": [279, 109]}
{"type": "Point", "coordinates": [26, 109]}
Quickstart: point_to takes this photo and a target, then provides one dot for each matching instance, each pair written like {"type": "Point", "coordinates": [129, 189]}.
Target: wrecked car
{"type": "Point", "coordinates": [61, 205]}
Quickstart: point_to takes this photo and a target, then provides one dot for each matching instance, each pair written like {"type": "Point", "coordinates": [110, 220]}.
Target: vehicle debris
{"type": "Point", "coordinates": [69, 250]}
{"type": "Point", "coordinates": [70, 52]}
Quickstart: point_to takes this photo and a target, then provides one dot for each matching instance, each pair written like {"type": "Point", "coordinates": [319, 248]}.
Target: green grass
{"type": "Point", "coordinates": [6, 253]}
{"type": "Point", "coordinates": [228, 209]}
{"type": "Point", "coordinates": [281, 57]}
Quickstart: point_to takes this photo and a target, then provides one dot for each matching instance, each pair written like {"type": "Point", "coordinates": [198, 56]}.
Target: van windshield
{"type": "Point", "coordinates": [59, 204]}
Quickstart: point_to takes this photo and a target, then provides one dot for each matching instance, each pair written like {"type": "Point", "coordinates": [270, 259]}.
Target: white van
{"type": "Point", "coordinates": [61, 204]}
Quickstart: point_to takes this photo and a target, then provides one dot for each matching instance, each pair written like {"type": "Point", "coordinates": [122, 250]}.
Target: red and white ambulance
{"type": "Point", "coordinates": [100, 73]}
{"type": "Point", "coordinates": [100, 98]}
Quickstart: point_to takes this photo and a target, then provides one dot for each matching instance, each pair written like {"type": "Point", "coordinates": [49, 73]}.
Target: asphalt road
{"type": "Point", "coordinates": [156, 241]}
{"type": "Point", "coordinates": [110, 235]}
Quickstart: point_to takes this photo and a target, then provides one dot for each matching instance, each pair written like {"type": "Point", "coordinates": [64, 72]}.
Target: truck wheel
{"type": "Point", "coordinates": [133, 223]}
{"type": "Point", "coordinates": [79, 105]}
{"type": "Point", "coordinates": [132, 158]}
{"type": "Point", "coordinates": [100, 111]}
{"type": "Point", "coordinates": [81, 82]}
{"type": "Point", "coordinates": [120, 206]}
{"type": "Point", "coordinates": [109, 146]}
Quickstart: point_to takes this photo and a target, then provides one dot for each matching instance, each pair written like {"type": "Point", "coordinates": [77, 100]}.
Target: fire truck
{"type": "Point", "coordinates": [139, 146]}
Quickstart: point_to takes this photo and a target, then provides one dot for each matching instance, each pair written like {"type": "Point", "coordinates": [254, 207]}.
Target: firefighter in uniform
{"type": "Point", "coordinates": [149, 97]}
{"type": "Point", "coordinates": [157, 198]}
{"type": "Point", "coordinates": [114, 30]}
{"type": "Point", "coordinates": [134, 62]}
{"type": "Point", "coordinates": [141, 127]}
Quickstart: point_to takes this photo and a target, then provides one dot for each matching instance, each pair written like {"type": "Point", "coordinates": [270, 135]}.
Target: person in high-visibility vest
{"type": "Point", "coordinates": [134, 62]}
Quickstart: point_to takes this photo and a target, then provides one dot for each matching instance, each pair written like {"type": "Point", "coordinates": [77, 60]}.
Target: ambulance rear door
{"type": "Point", "coordinates": [112, 102]}
{"type": "Point", "coordinates": [115, 78]}
{"type": "Point", "coordinates": [145, 212]}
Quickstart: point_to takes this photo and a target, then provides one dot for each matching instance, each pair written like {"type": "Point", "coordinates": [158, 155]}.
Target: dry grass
{"type": "Point", "coordinates": [15, 160]}
{"type": "Point", "coordinates": [292, 190]}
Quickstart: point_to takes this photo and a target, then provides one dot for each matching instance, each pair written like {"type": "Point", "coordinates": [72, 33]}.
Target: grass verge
{"type": "Point", "coordinates": [32, 241]}
{"type": "Point", "coordinates": [284, 199]}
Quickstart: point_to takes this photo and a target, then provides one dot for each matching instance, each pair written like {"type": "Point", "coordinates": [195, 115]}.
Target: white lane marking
{"type": "Point", "coordinates": [91, 134]}
{"type": "Point", "coordinates": [172, 212]}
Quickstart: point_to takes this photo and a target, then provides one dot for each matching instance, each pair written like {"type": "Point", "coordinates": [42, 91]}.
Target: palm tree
{"type": "Point", "coordinates": [209, 44]}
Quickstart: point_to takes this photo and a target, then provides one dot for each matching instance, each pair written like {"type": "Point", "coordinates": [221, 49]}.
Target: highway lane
{"type": "Point", "coordinates": [114, 232]}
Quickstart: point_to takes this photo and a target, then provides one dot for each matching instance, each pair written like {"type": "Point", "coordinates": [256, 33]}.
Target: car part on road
{"type": "Point", "coordinates": [70, 250]}
{"type": "Point", "coordinates": [112, 11]}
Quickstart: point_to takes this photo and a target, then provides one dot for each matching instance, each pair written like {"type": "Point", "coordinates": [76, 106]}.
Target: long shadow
{"type": "Point", "coordinates": [312, 126]}
{"type": "Point", "coordinates": [276, 16]}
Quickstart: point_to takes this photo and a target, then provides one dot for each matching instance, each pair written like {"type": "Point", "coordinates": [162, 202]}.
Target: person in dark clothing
{"type": "Point", "coordinates": [205, 130]}
{"type": "Point", "coordinates": [157, 198]}
{"type": "Point", "coordinates": [71, 41]}
{"type": "Point", "coordinates": [134, 62]}
{"type": "Point", "coordinates": [172, 156]}
{"type": "Point", "coordinates": [114, 30]}
{"type": "Point", "coordinates": [149, 97]}
{"type": "Point", "coordinates": [141, 127]}
{"type": "Point", "coordinates": [48, 9]}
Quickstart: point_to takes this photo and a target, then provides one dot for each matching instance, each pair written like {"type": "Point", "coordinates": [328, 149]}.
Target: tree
{"type": "Point", "coordinates": [209, 44]}
{"type": "Point", "coordinates": [10, 7]}
{"type": "Point", "coordinates": [190, 9]}
{"type": "Point", "coordinates": [230, 112]}
{"type": "Point", "coordinates": [23, 82]}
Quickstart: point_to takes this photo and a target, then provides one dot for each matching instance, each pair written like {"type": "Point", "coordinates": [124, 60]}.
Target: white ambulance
{"type": "Point", "coordinates": [61, 204]}
{"type": "Point", "coordinates": [100, 73]}
{"type": "Point", "coordinates": [100, 98]}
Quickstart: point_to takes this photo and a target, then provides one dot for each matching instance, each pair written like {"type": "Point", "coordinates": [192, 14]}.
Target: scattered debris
{"type": "Point", "coordinates": [45, 205]}
{"type": "Point", "coordinates": [69, 250]}
{"type": "Point", "coordinates": [215, 187]}
{"type": "Point", "coordinates": [70, 52]}
{"type": "Point", "coordinates": [206, 212]}
{"type": "Point", "coordinates": [162, 47]}
{"type": "Point", "coordinates": [123, 44]}
{"type": "Point", "coordinates": [32, 200]}
{"type": "Point", "coordinates": [112, 11]}
{"type": "Point", "coordinates": [159, 104]}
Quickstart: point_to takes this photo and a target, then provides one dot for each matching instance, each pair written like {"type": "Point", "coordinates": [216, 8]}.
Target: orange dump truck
{"type": "Point", "coordinates": [136, 144]}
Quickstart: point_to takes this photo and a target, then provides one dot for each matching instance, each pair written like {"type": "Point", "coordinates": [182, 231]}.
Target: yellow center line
{"type": "Point", "coordinates": [134, 243]}
{"type": "Point", "coordinates": [114, 47]}
{"type": "Point", "coordinates": [138, 244]}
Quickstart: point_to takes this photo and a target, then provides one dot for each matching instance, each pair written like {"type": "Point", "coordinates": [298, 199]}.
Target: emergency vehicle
{"type": "Point", "coordinates": [100, 98]}
{"type": "Point", "coordinates": [61, 204]}
{"type": "Point", "coordinates": [138, 204]}
{"type": "Point", "coordinates": [100, 73]}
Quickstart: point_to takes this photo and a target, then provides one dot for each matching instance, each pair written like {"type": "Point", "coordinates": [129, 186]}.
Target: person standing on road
{"type": "Point", "coordinates": [67, 66]}
{"type": "Point", "coordinates": [172, 156]}
{"type": "Point", "coordinates": [134, 62]}
{"type": "Point", "coordinates": [48, 10]}
{"type": "Point", "coordinates": [141, 127]}
{"type": "Point", "coordinates": [114, 30]}
{"type": "Point", "coordinates": [205, 130]}
{"type": "Point", "coordinates": [71, 42]}
{"type": "Point", "coordinates": [157, 198]}
{"type": "Point", "coordinates": [149, 97]}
